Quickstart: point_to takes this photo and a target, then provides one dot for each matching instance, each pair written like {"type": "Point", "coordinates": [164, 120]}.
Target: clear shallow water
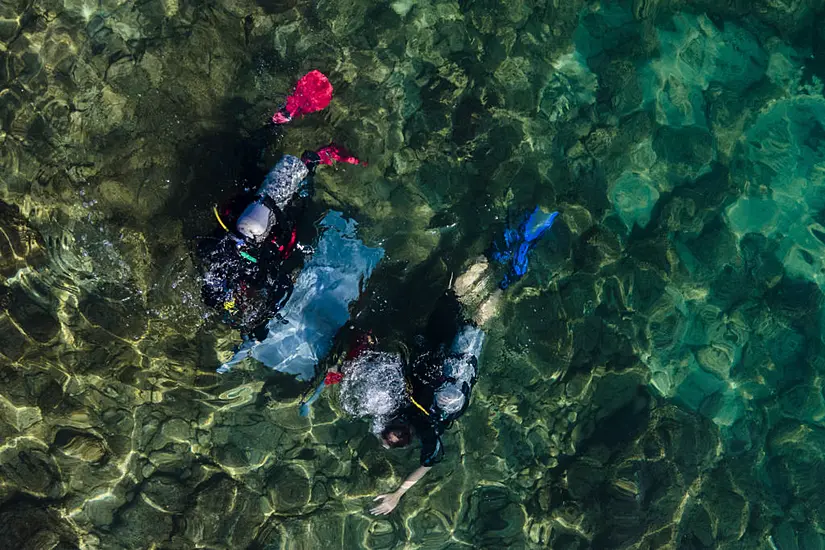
{"type": "Point", "coordinates": [653, 382]}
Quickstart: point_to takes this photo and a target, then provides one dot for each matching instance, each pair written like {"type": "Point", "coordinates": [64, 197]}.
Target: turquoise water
{"type": "Point", "coordinates": [653, 382]}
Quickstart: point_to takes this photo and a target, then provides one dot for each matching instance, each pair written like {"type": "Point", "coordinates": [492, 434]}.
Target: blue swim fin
{"type": "Point", "coordinates": [519, 242]}
{"type": "Point", "coordinates": [538, 222]}
{"type": "Point", "coordinates": [520, 260]}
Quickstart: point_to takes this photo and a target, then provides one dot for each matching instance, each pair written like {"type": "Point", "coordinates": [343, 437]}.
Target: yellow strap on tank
{"type": "Point", "coordinates": [413, 401]}
{"type": "Point", "coordinates": [218, 217]}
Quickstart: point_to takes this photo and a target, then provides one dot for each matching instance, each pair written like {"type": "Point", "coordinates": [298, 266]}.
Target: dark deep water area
{"type": "Point", "coordinates": [654, 381]}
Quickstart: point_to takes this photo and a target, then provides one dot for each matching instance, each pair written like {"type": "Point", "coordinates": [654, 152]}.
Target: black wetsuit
{"type": "Point", "coordinates": [426, 374]}
{"type": "Point", "coordinates": [250, 283]}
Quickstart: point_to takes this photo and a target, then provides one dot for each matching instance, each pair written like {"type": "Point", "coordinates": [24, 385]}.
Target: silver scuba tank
{"type": "Point", "coordinates": [469, 340]}
{"type": "Point", "coordinates": [282, 183]}
{"type": "Point", "coordinates": [285, 179]}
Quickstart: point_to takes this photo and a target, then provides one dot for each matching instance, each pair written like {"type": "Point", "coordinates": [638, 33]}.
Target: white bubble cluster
{"type": "Point", "coordinates": [374, 387]}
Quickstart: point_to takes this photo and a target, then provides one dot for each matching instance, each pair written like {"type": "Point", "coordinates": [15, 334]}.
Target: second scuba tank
{"type": "Point", "coordinates": [286, 178]}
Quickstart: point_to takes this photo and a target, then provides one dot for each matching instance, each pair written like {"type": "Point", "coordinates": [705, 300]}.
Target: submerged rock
{"type": "Point", "coordinates": [695, 53]}
{"type": "Point", "coordinates": [81, 446]}
{"type": "Point", "coordinates": [634, 197]}
{"type": "Point", "coordinates": [26, 524]}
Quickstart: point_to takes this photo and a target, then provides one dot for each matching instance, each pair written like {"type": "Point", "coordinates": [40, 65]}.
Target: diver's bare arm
{"type": "Point", "coordinates": [390, 501]}
{"type": "Point", "coordinates": [413, 478]}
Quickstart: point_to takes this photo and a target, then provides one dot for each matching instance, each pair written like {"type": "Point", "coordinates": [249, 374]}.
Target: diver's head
{"type": "Point", "coordinates": [396, 435]}
{"type": "Point", "coordinates": [255, 222]}
{"type": "Point", "coordinates": [449, 398]}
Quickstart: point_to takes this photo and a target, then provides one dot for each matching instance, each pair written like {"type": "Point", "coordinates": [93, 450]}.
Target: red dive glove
{"type": "Point", "coordinates": [313, 92]}
{"type": "Point", "coordinates": [333, 152]}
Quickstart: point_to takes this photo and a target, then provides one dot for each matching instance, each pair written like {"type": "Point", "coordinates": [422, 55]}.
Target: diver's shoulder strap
{"type": "Point", "coordinates": [415, 403]}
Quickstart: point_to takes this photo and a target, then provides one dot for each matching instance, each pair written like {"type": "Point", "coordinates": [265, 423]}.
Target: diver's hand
{"type": "Point", "coordinates": [388, 504]}
{"type": "Point", "coordinates": [390, 501]}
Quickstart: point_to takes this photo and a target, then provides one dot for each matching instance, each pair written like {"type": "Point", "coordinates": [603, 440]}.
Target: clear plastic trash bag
{"type": "Point", "coordinates": [319, 305]}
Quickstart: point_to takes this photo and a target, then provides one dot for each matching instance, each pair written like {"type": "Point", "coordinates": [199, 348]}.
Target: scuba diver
{"type": "Point", "coordinates": [420, 398]}
{"type": "Point", "coordinates": [441, 379]}
{"type": "Point", "coordinates": [248, 270]}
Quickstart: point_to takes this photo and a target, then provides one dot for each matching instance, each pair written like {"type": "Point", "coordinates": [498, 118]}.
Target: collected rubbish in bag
{"type": "Point", "coordinates": [319, 305]}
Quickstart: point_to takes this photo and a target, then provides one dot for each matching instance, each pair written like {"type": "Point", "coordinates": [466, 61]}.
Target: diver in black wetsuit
{"type": "Point", "coordinates": [439, 381]}
{"type": "Point", "coordinates": [247, 270]}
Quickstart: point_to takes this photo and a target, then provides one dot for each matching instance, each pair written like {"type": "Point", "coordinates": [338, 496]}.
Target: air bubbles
{"type": "Point", "coordinates": [374, 387]}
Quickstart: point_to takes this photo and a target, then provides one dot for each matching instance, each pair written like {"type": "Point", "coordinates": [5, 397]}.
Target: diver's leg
{"type": "Point", "coordinates": [478, 292]}
{"type": "Point", "coordinates": [445, 320]}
